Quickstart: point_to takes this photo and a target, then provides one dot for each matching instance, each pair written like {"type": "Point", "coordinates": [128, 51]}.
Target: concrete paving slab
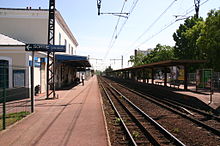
{"type": "Point", "coordinates": [75, 119]}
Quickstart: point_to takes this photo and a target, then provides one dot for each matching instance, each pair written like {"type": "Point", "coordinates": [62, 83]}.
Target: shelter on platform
{"type": "Point", "coordinates": [147, 71]}
{"type": "Point", "coordinates": [67, 67]}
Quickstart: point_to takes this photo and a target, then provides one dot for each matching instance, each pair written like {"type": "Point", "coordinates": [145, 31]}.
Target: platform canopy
{"type": "Point", "coordinates": [73, 60]}
{"type": "Point", "coordinates": [166, 63]}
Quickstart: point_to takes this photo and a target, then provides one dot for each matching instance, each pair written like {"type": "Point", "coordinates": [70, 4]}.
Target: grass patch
{"type": "Point", "coordinates": [13, 117]}
{"type": "Point", "coordinates": [117, 120]}
{"type": "Point", "coordinates": [176, 130]}
{"type": "Point", "coordinates": [135, 134]}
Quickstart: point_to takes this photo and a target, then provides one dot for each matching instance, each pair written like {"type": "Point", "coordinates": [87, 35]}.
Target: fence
{"type": "Point", "coordinates": [215, 79]}
{"type": "Point", "coordinates": [15, 100]}
{"type": "Point", "coordinates": [192, 78]}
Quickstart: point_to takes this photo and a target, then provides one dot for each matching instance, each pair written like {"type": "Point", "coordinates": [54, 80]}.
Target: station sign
{"type": "Point", "coordinates": [45, 48]}
{"type": "Point", "coordinates": [57, 48]}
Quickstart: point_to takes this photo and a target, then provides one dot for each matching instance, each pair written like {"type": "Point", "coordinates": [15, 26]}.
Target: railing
{"type": "Point", "coordinates": [215, 79]}
{"type": "Point", "coordinates": [14, 94]}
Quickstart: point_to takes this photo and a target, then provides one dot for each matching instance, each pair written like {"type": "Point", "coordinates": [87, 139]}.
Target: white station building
{"type": "Point", "coordinates": [30, 26]}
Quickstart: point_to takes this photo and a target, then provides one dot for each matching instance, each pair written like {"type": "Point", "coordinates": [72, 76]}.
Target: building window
{"type": "Point", "coordinates": [69, 49]}
{"type": "Point", "coordinates": [4, 71]}
{"type": "Point", "coordinates": [18, 78]}
{"type": "Point", "coordinates": [72, 50]}
{"type": "Point", "coordinates": [65, 45]}
{"type": "Point", "coordinates": [59, 38]}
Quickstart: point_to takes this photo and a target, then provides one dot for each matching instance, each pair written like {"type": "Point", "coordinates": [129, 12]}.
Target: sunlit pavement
{"type": "Point", "coordinates": [75, 118]}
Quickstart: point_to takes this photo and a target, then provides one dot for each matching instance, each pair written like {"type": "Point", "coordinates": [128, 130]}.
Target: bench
{"type": "Point", "coordinates": [175, 84]}
{"type": "Point", "coordinates": [159, 82]}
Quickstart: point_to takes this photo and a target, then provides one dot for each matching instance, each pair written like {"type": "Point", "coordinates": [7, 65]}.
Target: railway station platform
{"type": "Point", "coordinates": [211, 100]}
{"type": "Point", "coordinates": [199, 99]}
{"type": "Point", "coordinates": [75, 118]}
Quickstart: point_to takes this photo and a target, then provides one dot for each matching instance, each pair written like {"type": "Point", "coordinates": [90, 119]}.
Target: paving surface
{"type": "Point", "coordinates": [211, 100]}
{"type": "Point", "coordinates": [74, 119]}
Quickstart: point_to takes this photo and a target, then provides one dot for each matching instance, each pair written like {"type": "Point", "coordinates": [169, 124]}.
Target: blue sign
{"type": "Point", "coordinates": [36, 47]}
{"type": "Point", "coordinates": [36, 64]}
{"type": "Point", "coordinates": [57, 48]}
{"type": "Point", "coordinates": [45, 48]}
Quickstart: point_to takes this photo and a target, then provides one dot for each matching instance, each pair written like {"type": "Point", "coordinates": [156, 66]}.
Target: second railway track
{"type": "Point", "coordinates": [141, 127]}
{"type": "Point", "coordinates": [182, 127]}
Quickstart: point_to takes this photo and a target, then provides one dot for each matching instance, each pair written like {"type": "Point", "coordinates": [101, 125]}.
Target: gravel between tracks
{"type": "Point", "coordinates": [116, 134]}
{"type": "Point", "coordinates": [185, 130]}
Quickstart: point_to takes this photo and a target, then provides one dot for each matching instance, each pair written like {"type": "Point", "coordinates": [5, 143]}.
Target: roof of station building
{"type": "Point", "coordinates": [73, 60]}
{"type": "Point", "coordinates": [8, 41]}
{"type": "Point", "coordinates": [27, 10]}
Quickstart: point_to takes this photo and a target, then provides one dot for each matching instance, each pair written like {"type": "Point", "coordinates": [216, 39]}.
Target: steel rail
{"type": "Point", "coordinates": [214, 117]}
{"type": "Point", "coordinates": [142, 128]}
{"type": "Point", "coordinates": [207, 127]}
{"type": "Point", "coordinates": [175, 104]}
{"type": "Point", "coordinates": [119, 116]}
{"type": "Point", "coordinates": [157, 125]}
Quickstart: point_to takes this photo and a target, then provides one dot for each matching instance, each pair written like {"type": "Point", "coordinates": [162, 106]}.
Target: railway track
{"type": "Point", "coordinates": [206, 123]}
{"type": "Point", "coordinates": [206, 120]}
{"type": "Point", "coordinates": [140, 127]}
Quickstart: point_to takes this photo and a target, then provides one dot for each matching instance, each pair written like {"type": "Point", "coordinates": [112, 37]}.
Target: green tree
{"type": "Point", "coordinates": [192, 35]}
{"type": "Point", "coordinates": [109, 69]}
{"type": "Point", "coordinates": [209, 40]}
{"type": "Point", "coordinates": [137, 60]}
{"type": "Point", "coordinates": [185, 38]}
{"type": "Point", "coordinates": [159, 53]}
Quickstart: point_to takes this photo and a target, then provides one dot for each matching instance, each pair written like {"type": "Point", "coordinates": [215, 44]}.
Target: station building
{"type": "Point", "coordinates": [30, 26]}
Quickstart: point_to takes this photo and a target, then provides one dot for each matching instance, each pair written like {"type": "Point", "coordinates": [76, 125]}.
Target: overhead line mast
{"type": "Point", "coordinates": [197, 4]}
{"type": "Point", "coordinates": [125, 15]}
{"type": "Point", "coordinates": [99, 6]}
{"type": "Point", "coordinates": [51, 55]}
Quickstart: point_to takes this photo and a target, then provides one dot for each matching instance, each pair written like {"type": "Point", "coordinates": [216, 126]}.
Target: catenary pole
{"type": "Point", "coordinates": [51, 55]}
{"type": "Point", "coordinates": [197, 4]}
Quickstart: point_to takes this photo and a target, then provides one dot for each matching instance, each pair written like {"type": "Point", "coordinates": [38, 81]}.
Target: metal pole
{"type": "Point", "coordinates": [99, 6]}
{"type": "Point", "coordinates": [51, 55]}
{"type": "Point", "coordinates": [48, 75]}
{"type": "Point", "coordinates": [211, 91]}
{"type": "Point", "coordinates": [32, 83]}
{"type": "Point", "coordinates": [152, 75]}
{"type": "Point", "coordinates": [165, 76]}
{"type": "Point", "coordinates": [197, 4]}
{"type": "Point", "coordinates": [54, 94]}
{"type": "Point", "coordinates": [122, 61]}
{"type": "Point", "coordinates": [185, 77]}
{"type": "Point", "coordinates": [4, 97]}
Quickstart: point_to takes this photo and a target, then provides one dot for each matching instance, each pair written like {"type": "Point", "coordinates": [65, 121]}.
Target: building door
{"type": "Point", "coordinates": [4, 70]}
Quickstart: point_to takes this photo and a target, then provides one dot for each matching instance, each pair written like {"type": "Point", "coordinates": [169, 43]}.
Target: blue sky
{"type": "Point", "coordinates": [94, 33]}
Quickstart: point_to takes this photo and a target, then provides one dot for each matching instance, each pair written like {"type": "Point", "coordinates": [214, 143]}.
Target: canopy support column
{"type": "Point", "coordinates": [143, 75]}
{"type": "Point", "coordinates": [152, 75]}
{"type": "Point", "coordinates": [165, 76]}
{"type": "Point", "coordinates": [185, 77]}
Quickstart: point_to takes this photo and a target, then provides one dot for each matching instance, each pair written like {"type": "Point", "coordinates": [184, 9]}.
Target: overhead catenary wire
{"type": "Point", "coordinates": [115, 34]}
{"type": "Point", "coordinates": [122, 26]}
{"type": "Point", "coordinates": [154, 22]}
{"type": "Point", "coordinates": [167, 26]}
{"type": "Point", "coordinates": [116, 26]}
{"type": "Point", "coordinates": [180, 17]}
